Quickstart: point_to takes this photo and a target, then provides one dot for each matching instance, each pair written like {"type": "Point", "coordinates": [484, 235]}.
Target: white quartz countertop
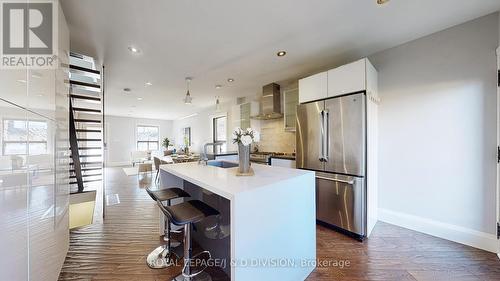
{"type": "Point", "coordinates": [224, 182]}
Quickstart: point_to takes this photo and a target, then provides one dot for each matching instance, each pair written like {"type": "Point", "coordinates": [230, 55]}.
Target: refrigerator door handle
{"type": "Point", "coordinates": [322, 132]}
{"type": "Point", "coordinates": [350, 182]}
{"type": "Point", "coordinates": [326, 138]}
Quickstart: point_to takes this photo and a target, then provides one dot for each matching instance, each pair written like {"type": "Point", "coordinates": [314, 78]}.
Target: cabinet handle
{"type": "Point", "coordinates": [351, 182]}
{"type": "Point", "coordinates": [327, 135]}
{"type": "Point", "coordinates": [322, 138]}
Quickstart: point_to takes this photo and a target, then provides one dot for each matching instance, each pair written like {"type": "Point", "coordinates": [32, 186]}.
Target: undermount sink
{"type": "Point", "coordinates": [222, 164]}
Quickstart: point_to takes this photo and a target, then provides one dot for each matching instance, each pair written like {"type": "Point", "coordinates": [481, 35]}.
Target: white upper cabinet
{"type": "Point", "coordinates": [353, 77]}
{"type": "Point", "coordinates": [313, 87]}
{"type": "Point", "coordinates": [347, 79]}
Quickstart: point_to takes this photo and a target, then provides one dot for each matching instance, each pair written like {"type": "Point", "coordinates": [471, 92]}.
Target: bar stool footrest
{"type": "Point", "coordinates": [199, 271]}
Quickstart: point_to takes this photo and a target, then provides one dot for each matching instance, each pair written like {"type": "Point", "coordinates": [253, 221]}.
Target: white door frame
{"type": "Point", "coordinates": [498, 145]}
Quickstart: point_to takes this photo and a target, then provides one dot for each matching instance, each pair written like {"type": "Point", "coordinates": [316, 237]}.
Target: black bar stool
{"type": "Point", "coordinates": [186, 214]}
{"type": "Point", "coordinates": [161, 257]}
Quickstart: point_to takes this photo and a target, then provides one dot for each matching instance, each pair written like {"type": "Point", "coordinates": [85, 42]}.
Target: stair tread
{"type": "Point", "coordinates": [89, 155]}
{"type": "Point", "coordinates": [89, 148]}
{"type": "Point", "coordinates": [86, 109]}
{"type": "Point", "coordinates": [89, 139]}
{"type": "Point", "coordinates": [90, 175]}
{"type": "Point", "coordinates": [87, 120]}
{"type": "Point", "coordinates": [88, 163]}
{"type": "Point", "coordinates": [80, 68]}
{"type": "Point", "coordinates": [83, 97]}
{"type": "Point", "coordinates": [87, 169]}
{"type": "Point", "coordinates": [85, 84]}
{"type": "Point", "coordinates": [88, 131]}
{"type": "Point", "coordinates": [86, 181]}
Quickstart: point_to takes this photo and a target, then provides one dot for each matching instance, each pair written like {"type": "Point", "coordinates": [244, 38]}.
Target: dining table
{"type": "Point", "coordinates": [179, 158]}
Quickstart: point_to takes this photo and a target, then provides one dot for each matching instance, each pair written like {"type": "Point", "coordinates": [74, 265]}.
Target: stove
{"type": "Point", "coordinates": [262, 157]}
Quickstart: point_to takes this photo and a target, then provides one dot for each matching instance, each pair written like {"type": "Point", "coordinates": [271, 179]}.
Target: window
{"type": "Point", "coordinates": [21, 137]}
{"type": "Point", "coordinates": [220, 132]}
{"type": "Point", "coordinates": [186, 136]}
{"type": "Point", "coordinates": [148, 138]}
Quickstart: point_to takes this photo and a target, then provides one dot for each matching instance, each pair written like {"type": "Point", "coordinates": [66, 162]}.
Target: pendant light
{"type": "Point", "coordinates": [217, 104]}
{"type": "Point", "coordinates": [188, 99]}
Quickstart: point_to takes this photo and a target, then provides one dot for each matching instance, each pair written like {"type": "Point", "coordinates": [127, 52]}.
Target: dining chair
{"type": "Point", "coordinates": [157, 163]}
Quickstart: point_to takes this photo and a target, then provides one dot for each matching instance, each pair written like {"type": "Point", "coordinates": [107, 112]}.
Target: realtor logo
{"type": "Point", "coordinates": [28, 35]}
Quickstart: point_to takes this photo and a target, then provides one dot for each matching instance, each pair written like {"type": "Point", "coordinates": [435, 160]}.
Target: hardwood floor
{"type": "Point", "coordinates": [117, 249]}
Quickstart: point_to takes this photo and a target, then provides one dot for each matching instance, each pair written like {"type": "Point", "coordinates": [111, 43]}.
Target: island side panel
{"type": "Point", "coordinates": [275, 223]}
{"type": "Point", "coordinates": [212, 233]}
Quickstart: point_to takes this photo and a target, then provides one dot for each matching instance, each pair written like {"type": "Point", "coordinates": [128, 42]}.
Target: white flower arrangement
{"type": "Point", "coordinates": [245, 137]}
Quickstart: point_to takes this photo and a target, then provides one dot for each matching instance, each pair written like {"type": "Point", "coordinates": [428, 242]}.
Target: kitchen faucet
{"type": "Point", "coordinates": [204, 160]}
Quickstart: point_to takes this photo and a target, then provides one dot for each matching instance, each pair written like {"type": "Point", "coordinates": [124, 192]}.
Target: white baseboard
{"type": "Point", "coordinates": [459, 234]}
{"type": "Point", "coordinates": [118, 164]}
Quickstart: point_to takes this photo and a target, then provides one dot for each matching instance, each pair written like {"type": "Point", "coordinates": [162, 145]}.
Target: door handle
{"type": "Point", "coordinates": [327, 135]}
{"type": "Point", "coordinates": [351, 182]}
{"type": "Point", "coordinates": [322, 132]}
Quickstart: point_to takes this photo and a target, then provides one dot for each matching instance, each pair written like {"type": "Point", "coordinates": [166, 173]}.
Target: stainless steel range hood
{"type": "Point", "coordinates": [270, 103]}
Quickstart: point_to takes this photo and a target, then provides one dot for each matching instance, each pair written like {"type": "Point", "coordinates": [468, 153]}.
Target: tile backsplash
{"type": "Point", "coordinates": [274, 138]}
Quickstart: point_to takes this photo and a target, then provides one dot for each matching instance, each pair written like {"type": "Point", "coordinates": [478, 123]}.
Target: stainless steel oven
{"type": "Point", "coordinates": [260, 158]}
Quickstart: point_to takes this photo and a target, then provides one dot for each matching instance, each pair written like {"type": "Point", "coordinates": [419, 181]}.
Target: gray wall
{"type": "Point", "coordinates": [438, 126]}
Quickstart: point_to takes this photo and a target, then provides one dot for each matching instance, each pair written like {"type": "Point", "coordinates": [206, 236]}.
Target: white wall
{"type": "Point", "coordinates": [438, 132]}
{"type": "Point", "coordinates": [202, 126]}
{"type": "Point", "coordinates": [121, 136]}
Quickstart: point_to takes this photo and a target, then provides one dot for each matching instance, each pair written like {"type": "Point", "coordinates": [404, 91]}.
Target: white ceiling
{"type": "Point", "coordinates": [217, 39]}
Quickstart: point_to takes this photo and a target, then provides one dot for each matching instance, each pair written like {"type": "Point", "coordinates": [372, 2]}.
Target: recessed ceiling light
{"type": "Point", "coordinates": [21, 81]}
{"type": "Point", "coordinates": [134, 50]}
{"type": "Point", "coordinates": [230, 80]}
{"type": "Point", "coordinates": [281, 53]}
{"type": "Point", "coordinates": [39, 95]}
{"type": "Point", "coordinates": [218, 86]}
{"type": "Point", "coordinates": [148, 84]}
{"type": "Point", "coordinates": [139, 98]}
{"type": "Point", "coordinates": [380, 2]}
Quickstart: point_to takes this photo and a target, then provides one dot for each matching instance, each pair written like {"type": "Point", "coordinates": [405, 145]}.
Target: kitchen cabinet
{"type": "Point", "coordinates": [14, 219]}
{"type": "Point", "coordinates": [281, 162]}
{"type": "Point", "coordinates": [34, 175]}
{"type": "Point", "coordinates": [290, 101]}
{"type": "Point", "coordinates": [347, 78]}
{"type": "Point", "coordinates": [353, 77]}
{"type": "Point", "coordinates": [235, 117]}
{"type": "Point", "coordinates": [245, 115]}
{"type": "Point", "coordinates": [314, 87]}
{"type": "Point", "coordinates": [246, 111]}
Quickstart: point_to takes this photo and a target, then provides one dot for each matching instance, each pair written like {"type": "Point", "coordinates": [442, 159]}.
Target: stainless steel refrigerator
{"type": "Point", "coordinates": [331, 140]}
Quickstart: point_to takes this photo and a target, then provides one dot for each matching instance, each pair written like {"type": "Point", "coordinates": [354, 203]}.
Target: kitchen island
{"type": "Point", "coordinates": [267, 226]}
